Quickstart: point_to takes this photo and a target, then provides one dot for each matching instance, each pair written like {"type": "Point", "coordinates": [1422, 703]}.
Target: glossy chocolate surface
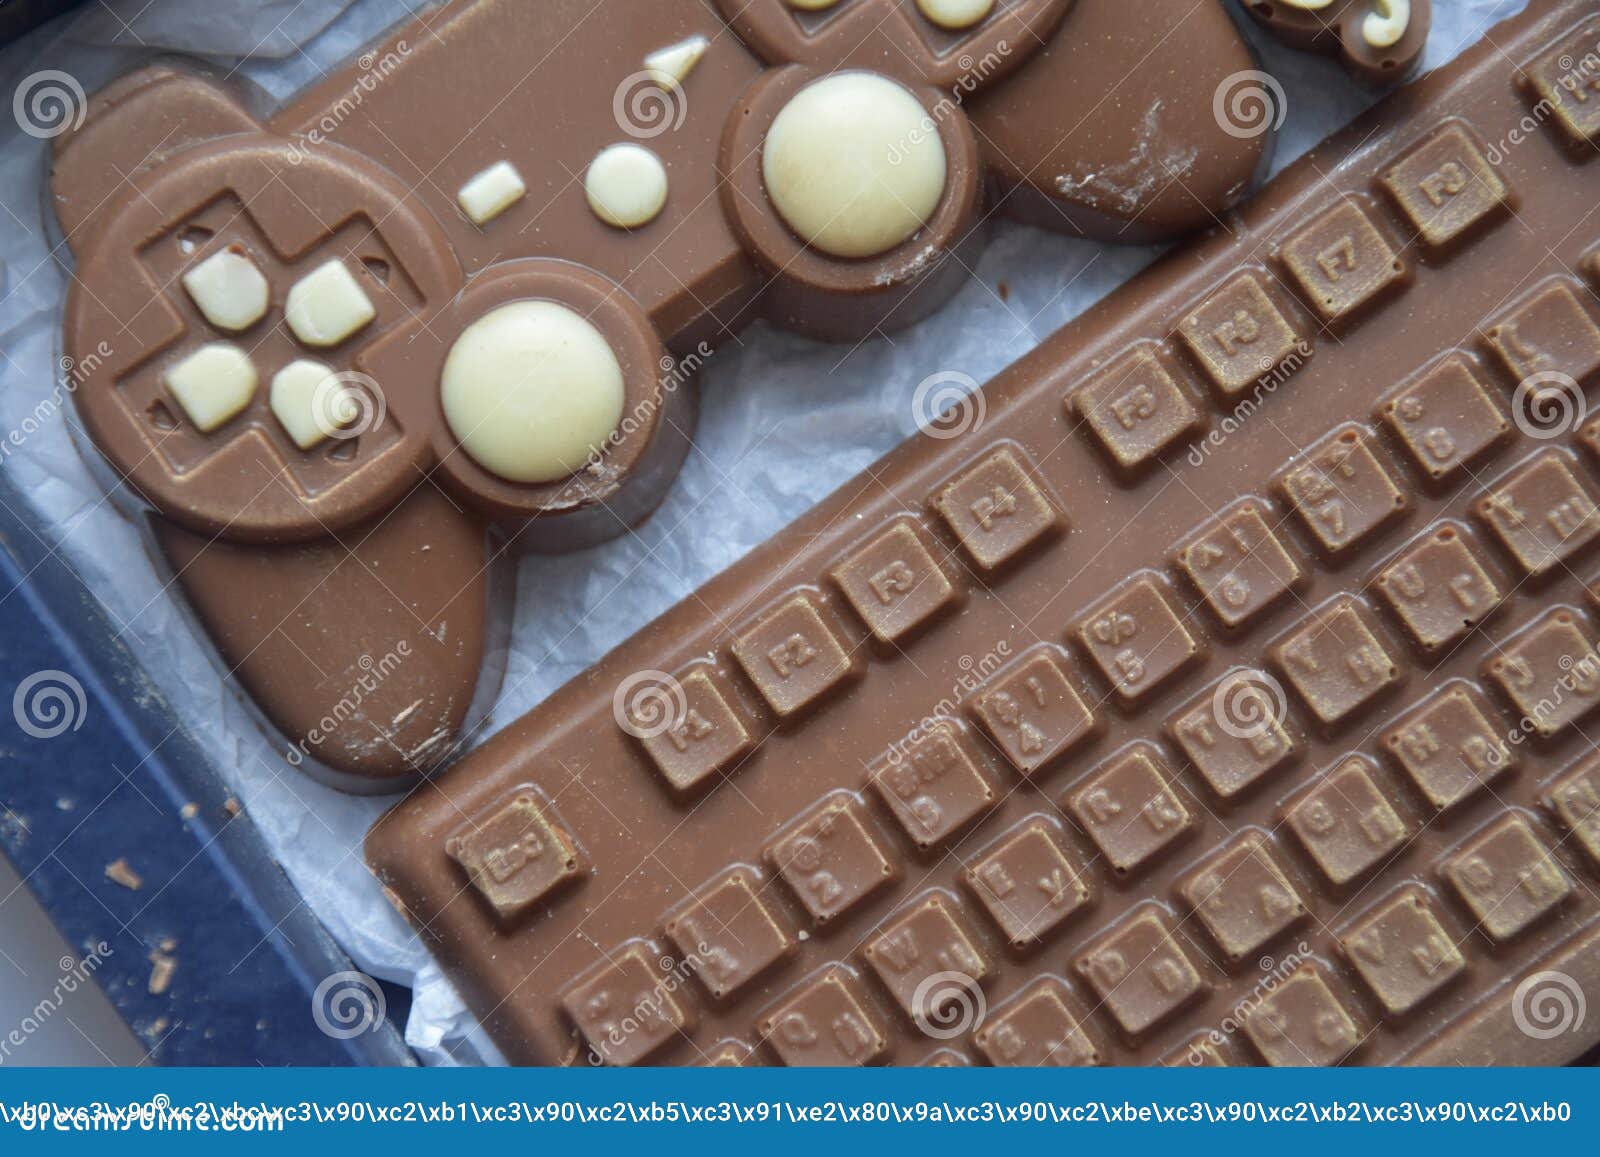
{"type": "Point", "coordinates": [1216, 692]}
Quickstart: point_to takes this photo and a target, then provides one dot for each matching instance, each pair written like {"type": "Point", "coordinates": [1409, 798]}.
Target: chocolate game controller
{"type": "Point", "coordinates": [455, 294]}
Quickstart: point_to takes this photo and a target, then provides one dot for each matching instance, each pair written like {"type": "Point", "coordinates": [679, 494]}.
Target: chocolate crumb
{"type": "Point", "coordinates": [121, 872]}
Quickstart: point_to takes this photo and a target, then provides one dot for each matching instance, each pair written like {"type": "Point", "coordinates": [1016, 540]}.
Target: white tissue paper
{"type": "Point", "coordinates": [782, 421]}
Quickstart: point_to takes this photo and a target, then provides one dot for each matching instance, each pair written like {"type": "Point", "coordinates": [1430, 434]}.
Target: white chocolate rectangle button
{"type": "Point", "coordinates": [491, 192]}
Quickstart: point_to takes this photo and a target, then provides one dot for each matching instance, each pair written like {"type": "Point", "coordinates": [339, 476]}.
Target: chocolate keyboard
{"type": "Point", "coordinates": [1217, 687]}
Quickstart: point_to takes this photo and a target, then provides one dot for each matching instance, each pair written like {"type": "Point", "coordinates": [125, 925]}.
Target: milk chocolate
{"type": "Point", "coordinates": [1216, 692]}
{"type": "Point", "coordinates": [266, 301]}
{"type": "Point", "coordinates": [1380, 41]}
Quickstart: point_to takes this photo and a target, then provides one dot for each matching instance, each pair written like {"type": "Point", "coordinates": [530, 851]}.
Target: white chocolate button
{"type": "Point", "coordinates": [311, 403]}
{"type": "Point", "coordinates": [327, 305]}
{"type": "Point", "coordinates": [491, 192]}
{"type": "Point", "coordinates": [626, 186]}
{"type": "Point", "coordinates": [955, 14]}
{"type": "Point", "coordinates": [811, 5]}
{"type": "Point", "coordinates": [669, 67]}
{"type": "Point", "coordinates": [228, 290]}
{"type": "Point", "coordinates": [1386, 23]}
{"type": "Point", "coordinates": [854, 164]}
{"type": "Point", "coordinates": [213, 384]}
{"type": "Point", "coordinates": [531, 390]}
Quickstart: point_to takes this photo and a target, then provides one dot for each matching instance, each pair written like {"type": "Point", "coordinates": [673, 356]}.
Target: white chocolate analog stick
{"type": "Point", "coordinates": [531, 390]}
{"type": "Point", "coordinates": [955, 15]}
{"type": "Point", "coordinates": [854, 164]}
{"type": "Point", "coordinates": [626, 186]}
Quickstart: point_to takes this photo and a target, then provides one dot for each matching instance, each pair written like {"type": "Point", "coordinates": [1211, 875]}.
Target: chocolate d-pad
{"type": "Point", "coordinates": [199, 291]}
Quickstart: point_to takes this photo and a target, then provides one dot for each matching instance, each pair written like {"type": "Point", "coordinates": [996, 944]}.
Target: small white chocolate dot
{"type": "Point", "coordinates": [1386, 23]}
{"type": "Point", "coordinates": [811, 5]}
{"type": "Point", "coordinates": [213, 384]}
{"type": "Point", "coordinates": [669, 67]}
{"type": "Point", "coordinates": [955, 15]}
{"type": "Point", "coordinates": [531, 390]}
{"type": "Point", "coordinates": [311, 403]}
{"type": "Point", "coordinates": [854, 164]}
{"type": "Point", "coordinates": [626, 186]}
{"type": "Point", "coordinates": [327, 305]}
{"type": "Point", "coordinates": [491, 192]}
{"type": "Point", "coordinates": [228, 289]}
